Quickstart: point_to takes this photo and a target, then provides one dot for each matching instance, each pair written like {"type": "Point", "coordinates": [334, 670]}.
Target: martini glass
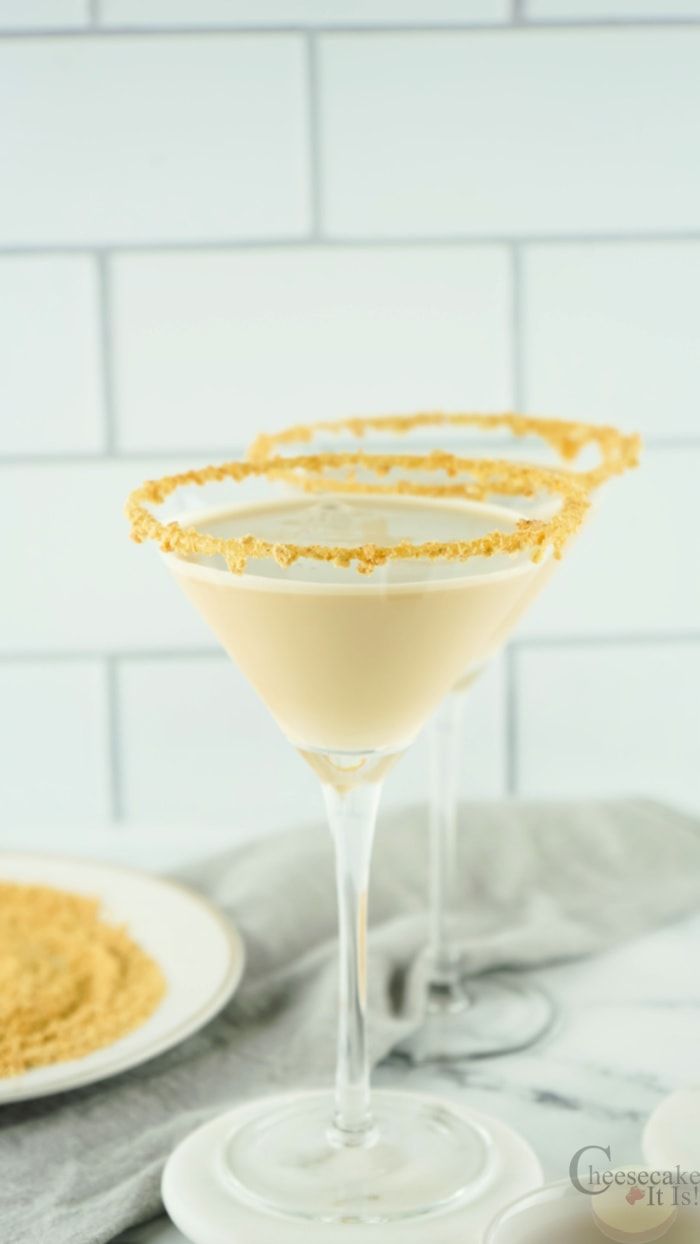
{"type": "Point", "coordinates": [468, 1015]}
{"type": "Point", "coordinates": [352, 612]}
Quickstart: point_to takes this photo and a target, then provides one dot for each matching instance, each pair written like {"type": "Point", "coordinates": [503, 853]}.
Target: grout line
{"type": "Point", "coordinates": [511, 722]}
{"type": "Point", "coordinates": [155, 246]}
{"type": "Point", "coordinates": [314, 135]}
{"type": "Point", "coordinates": [106, 352]}
{"type": "Point", "coordinates": [174, 654]}
{"type": "Point", "coordinates": [516, 327]}
{"type": "Point", "coordinates": [94, 14]}
{"type": "Point", "coordinates": [608, 639]}
{"type": "Point", "coordinates": [117, 656]}
{"type": "Point", "coordinates": [122, 455]}
{"type": "Point", "coordinates": [68, 458]}
{"type": "Point", "coordinates": [517, 16]}
{"type": "Point", "coordinates": [116, 784]}
{"type": "Point", "coordinates": [159, 247]}
{"type": "Point", "coordinates": [609, 23]}
{"type": "Point", "coordinates": [354, 28]}
{"type": "Point", "coordinates": [113, 656]}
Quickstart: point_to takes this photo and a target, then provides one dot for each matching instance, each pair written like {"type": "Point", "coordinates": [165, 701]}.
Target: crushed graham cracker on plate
{"type": "Point", "coordinates": [70, 982]}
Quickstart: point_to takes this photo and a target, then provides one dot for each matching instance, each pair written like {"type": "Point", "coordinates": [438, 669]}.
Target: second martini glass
{"type": "Point", "coordinates": [353, 611]}
{"type": "Point", "coordinates": [470, 1015]}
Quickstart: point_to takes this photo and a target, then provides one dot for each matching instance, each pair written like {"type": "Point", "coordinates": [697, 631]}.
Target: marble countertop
{"type": "Point", "coordinates": [628, 1032]}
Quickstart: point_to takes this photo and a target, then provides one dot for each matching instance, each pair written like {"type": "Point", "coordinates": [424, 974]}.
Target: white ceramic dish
{"type": "Point", "coordinates": [199, 951]}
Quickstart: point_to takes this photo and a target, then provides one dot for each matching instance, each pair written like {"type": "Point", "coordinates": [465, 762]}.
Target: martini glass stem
{"type": "Point", "coordinates": [352, 815]}
{"type": "Point", "coordinates": [444, 955]}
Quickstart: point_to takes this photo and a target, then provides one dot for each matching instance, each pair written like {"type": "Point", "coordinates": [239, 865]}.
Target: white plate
{"type": "Point", "coordinates": [200, 953]}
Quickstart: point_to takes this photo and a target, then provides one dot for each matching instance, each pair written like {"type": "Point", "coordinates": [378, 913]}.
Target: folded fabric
{"type": "Point", "coordinates": [537, 883]}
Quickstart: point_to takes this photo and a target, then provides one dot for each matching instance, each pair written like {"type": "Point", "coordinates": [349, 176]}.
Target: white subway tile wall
{"type": "Point", "coordinates": [611, 718]}
{"type": "Point", "coordinates": [306, 333]}
{"type": "Point", "coordinates": [592, 10]}
{"type": "Point", "coordinates": [634, 568]}
{"type": "Point", "coordinates": [206, 230]}
{"type": "Point", "coordinates": [51, 388]}
{"type": "Point", "coordinates": [200, 749]}
{"type": "Point", "coordinates": [129, 139]}
{"type": "Point", "coordinates": [591, 314]}
{"type": "Point", "coordinates": [81, 585]}
{"type": "Point", "coordinates": [43, 14]}
{"type": "Point", "coordinates": [187, 13]}
{"type": "Point", "coordinates": [54, 762]}
{"type": "Point", "coordinates": [484, 774]}
{"type": "Point", "coordinates": [502, 132]}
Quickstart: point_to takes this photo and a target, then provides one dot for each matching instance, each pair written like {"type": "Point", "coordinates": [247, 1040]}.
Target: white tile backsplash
{"type": "Point", "coordinates": [301, 12]}
{"type": "Point", "coordinates": [43, 14]}
{"type": "Point", "coordinates": [510, 132]}
{"type": "Point", "coordinates": [613, 719]}
{"type": "Point", "coordinates": [200, 749]}
{"type": "Point", "coordinates": [484, 768]}
{"type": "Point", "coordinates": [53, 759]}
{"type": "Point", "coordinates": [132, 139]}
{"type": "Point", "coordinates": [610, 334]}
{"type": "Point", "coordinates": [590, 10]}
{"type": "Point", "coordinates": [212, 348]}
{"type": "Point", "coordinates": [188, 166]}
{"type": "Point", "coordinates": [50, 373]}
{"type": "Point", "coordinates": [83, 586]}
{"type": "Point", "coordinates": [633, 569]}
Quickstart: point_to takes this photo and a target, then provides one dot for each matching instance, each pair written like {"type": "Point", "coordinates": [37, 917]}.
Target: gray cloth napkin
{"type": "Point", "coordinates": [539, 882]}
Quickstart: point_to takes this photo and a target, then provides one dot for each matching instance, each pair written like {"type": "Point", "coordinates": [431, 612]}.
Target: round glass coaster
{"type": "Point", "coordinates": [420, 1158]}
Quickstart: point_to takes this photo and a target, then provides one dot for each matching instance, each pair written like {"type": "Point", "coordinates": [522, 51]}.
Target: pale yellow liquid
{"type": "Point", "coordinates": [348, 662]}
{"type": "Point", "coordinates": [501, 636]}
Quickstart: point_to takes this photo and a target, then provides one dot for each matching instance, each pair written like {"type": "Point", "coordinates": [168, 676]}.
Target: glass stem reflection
{"type": "Point", "coordinates": [352, 814]}
{"type": "Point", "coordinates": [445, 959]}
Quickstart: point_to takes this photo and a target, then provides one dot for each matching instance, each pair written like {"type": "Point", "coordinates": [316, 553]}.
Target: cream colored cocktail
{"type": "Point", "coordinates": [349, 664]}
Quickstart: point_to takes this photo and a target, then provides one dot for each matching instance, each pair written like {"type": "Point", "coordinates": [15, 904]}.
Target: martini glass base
{"type": "Point", "coordinates": [202, 1201]}
{"type": "Point", "coordinates": [421, 1156]}
{"type": "Point", "coordinates": [479, 1017]}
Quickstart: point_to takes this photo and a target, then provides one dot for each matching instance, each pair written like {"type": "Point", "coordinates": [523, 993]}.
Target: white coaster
{"type": "Point", "coordinates": [672, 1134]}
{"type": "Point", "coordinates": [202, 1204]}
